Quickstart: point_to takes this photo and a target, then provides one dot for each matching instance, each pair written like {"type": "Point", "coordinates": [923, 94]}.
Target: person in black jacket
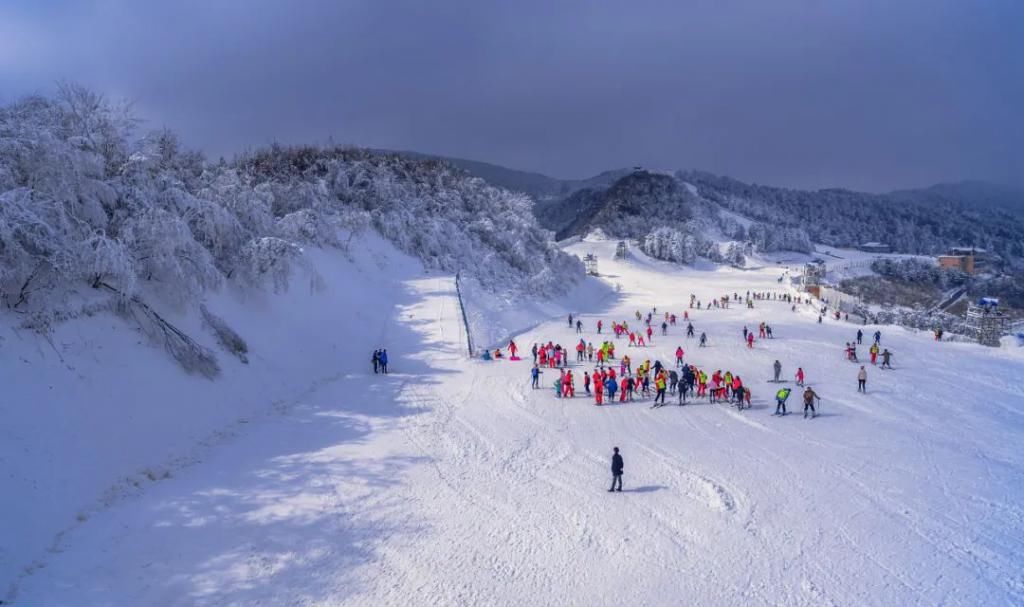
{"type": "Point", "coordinates": [616, 471]}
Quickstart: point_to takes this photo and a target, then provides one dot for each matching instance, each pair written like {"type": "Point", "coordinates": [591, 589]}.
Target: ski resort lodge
{"type": "Point", "coordinates": [966, 259]}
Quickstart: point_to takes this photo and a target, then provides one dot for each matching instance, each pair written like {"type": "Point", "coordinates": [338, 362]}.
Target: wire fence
{"type": "Point", "coordinates": [462, 308]}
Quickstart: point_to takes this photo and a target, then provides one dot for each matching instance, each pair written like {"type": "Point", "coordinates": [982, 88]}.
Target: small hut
{"type": "Point", "coordinates": [621, 251]}
{"type": "Point", "coordinates": [590, 263]}
{"type": "Point", "coordinates": [987, 321]}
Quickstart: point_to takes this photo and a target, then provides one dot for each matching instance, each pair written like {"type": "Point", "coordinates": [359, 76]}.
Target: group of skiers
{"type": "Point", "coordinates": [613, 377]}
{"type": "Point", "coordinates": [380, 361]}
{"type": "Point", "coordinates": [604, 382]}
{"type": "Point", "coordinates": [874, 350]}
{"type": "Point", "coordinates": [764, 331]}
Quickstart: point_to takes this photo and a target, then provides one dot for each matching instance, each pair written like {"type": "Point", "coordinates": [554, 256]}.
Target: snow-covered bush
{"type": "Point", "coordinates": [269, 259]}
{"type": "Point", "coordinates": [670, 245]}
{"type": "Point", "coordinates": [167, 255]}
{"type": "Point", "coordinates": [227, 337]}
{"type": "Point", "coordinates": [779, 238]}
{"type": "Point", "coordinates": [736, 254]}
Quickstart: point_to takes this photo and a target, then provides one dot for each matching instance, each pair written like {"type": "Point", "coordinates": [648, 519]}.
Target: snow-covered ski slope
{"type": "Point", "coordinates": [451, 482]}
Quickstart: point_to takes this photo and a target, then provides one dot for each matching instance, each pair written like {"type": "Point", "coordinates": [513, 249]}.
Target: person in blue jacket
{"type": "Point", "coordinates": [384, 361]}
{"type": "Point", "coordinates": [617, 466]}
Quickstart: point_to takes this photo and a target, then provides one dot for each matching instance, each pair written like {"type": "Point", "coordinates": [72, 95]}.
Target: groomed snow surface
{"type": "Point", "coordinates": [451, 482]}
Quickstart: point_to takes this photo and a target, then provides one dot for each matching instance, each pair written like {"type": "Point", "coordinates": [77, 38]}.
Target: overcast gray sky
{"type": "Point", "coordinates": [864, 94]}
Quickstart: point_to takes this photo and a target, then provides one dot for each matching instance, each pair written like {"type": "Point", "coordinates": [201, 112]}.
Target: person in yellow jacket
{"type": "Point", "coordinates": [661, 386]}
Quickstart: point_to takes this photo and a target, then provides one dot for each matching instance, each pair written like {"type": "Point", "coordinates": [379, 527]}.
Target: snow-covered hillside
{"type": "Point", "coordinates": [94, 412]}
{"type": "Point", "coordinates": [450, 481]}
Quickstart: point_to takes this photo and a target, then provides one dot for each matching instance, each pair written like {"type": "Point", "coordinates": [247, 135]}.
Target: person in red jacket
{"type": "Point", "coordinates": [750, 340]}
{"type": "Point", "coordinates": [650, 332]}
{"type": "Point", "coordinates": [512, 349]}
{"type": "Point", "coordinates": [679, 356]}
{"type": "Point", "coordinates": [624, 387]}
{"type": "Point", "coordinates": [568, 389]}
{"type": "Point", "coordinates": [632, 338]}
{"type": "Point", "coordinates": [599, 325]}
{"type": "Point", "coordinates": [799, 376]}
{"type": "Point", "coordinates": [598, 390]}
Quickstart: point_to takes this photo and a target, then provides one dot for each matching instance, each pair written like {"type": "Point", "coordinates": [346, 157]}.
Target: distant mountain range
{"type": "Point", "coordinates": [545, 188]}
{"type": "Point", "coordinates": [540, 187]}
{"type": "Point", "coordinates": [633, 202]}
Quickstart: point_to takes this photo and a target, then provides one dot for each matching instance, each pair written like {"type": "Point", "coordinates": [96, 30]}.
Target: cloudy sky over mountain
{"type": "Point", "coordinates": [864, 94]}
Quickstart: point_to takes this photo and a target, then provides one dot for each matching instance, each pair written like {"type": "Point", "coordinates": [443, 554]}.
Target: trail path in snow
{"type": "Point", "coordinates": [475, 489]}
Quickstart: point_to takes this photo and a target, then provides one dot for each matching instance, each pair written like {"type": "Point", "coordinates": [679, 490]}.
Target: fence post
{"type": "Point", "coordinates": [462, 308]}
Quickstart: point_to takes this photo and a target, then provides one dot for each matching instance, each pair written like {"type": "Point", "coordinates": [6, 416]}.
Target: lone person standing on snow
{"type": "Point", "coordinates": [616, 471]}
{"type": "Point", "coordinates": [862, 380]}
{"type": "Point", "coordinates": [778, 371]}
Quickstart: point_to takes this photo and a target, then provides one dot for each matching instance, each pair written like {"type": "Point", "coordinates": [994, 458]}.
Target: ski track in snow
{"type": "Point", "coordinates": [474, 488]}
